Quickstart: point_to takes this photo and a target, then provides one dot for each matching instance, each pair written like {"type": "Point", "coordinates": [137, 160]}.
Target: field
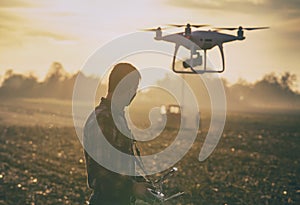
{"type": "Point", "coordinates": [257, 160]}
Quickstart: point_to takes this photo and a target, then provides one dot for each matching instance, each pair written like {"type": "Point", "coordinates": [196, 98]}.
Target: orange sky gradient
{"type": "Point", "coordinates": [33, 34]}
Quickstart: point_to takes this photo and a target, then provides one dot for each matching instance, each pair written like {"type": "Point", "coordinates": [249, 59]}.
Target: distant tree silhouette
{"type": "Point", "coordinates": [288, 81]}
{"type": "Point", "coordinates": [271, 92]}
{"type": "Point", "coordinates": [57, 84]}
{"type": "Point", "coordinates": [17, 85]}
{"type": "Point", "coordinates": [56, 73]}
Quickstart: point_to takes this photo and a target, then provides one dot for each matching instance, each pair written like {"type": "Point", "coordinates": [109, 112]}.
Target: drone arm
{"type": "Point", "coordinates": [222, 55]}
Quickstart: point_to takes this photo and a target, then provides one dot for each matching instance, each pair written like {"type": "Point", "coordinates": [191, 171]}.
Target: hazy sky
{"type": "Point", "coordinates": [33, 34]}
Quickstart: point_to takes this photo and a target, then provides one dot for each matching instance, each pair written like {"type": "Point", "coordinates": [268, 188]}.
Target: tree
{"type": "Point", "coordinates": [56, 73]}
{"type": "Point", "coordinates": [288, 81]}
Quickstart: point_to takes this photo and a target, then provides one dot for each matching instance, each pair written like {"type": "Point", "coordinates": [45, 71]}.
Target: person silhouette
{"type": "Point", "coordinates": [109, 187]}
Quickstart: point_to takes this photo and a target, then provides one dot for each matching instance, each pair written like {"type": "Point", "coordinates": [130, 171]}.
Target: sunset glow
{"type": "Point", "coordinates": [34, 34]}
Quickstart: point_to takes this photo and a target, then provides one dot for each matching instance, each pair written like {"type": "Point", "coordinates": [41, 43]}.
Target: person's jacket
{"type": "Point", "coordinates": [109, 183]}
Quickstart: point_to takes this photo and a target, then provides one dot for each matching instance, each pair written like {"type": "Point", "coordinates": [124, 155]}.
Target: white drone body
{"type": "Point", "coordinates": [199, 40]}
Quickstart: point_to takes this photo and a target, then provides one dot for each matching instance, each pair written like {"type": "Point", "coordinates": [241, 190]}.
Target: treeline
{"type": "Point", "coordinates": [271, 92]}
{"type": "Point", "coordinates": [57, 84]}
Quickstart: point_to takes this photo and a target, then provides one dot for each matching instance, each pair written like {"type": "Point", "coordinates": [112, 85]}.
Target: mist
{"type": "Point", "coordinates": [272, 92]}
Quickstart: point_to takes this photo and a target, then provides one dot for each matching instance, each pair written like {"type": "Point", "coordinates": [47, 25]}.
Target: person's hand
{"type": "Point", "coordinates": [141, 191]}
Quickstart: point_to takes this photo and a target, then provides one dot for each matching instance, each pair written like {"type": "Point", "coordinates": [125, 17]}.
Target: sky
{"type": "Point", "coordinates": [33, 34]}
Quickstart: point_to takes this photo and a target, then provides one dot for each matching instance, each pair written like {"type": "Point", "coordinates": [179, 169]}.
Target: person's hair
{"type": "Point", "coordinates": [120, 71]}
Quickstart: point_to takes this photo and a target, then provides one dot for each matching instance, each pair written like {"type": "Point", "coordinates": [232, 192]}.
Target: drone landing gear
{"type": "Point", "coordinates": [189, 64]}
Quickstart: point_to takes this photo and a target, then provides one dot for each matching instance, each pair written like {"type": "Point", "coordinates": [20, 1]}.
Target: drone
{"type": "Point", "coordinates": [200, 40]}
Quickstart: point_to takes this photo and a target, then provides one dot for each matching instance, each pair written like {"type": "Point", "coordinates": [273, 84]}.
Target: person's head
{"type": "Point", "coordinates": [123, 83]}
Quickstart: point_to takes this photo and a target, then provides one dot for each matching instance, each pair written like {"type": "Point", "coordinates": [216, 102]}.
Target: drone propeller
{"type": "Point", "coordinates": [154, 29]}
{"type": "Point", "coordinates": [256, 28]}
{"type": "Point", "coordinates": [192, 25]}
{"type": "Point", "coordinates": [241, 28]}
{"type": "Point", "coordinates": [151, 29]}
{"type": "Point", "coordinates": [225, 28]}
